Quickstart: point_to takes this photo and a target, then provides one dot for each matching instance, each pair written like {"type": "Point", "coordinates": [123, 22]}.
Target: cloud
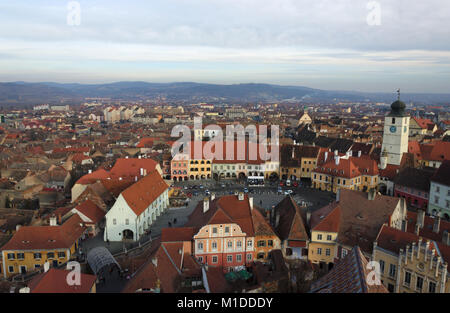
{"type": "Point", "coordinates": [211, 36]}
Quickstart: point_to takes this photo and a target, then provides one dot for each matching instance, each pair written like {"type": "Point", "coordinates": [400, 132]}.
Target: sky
{"type": "Point", "coordinates": [327, 44]}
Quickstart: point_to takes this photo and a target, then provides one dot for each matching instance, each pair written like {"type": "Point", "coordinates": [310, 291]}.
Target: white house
{"type": "Point", "coordinates": [136, 208]}
{"type": "Point", "coordinates": [439, 200]}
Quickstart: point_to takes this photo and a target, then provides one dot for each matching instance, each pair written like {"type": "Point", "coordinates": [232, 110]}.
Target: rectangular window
{"type": "Point", "coordinates": [230, 244]}
{"type": "Point", "coordinates": [382, 266]}
{"type": "Point", "coordinates": [61, 255]}
{"type": "Point", "coordinates": [239, 244]}
{"type": "Point", "coordinates": [238, 258]}
{"type": "Point", "coordinates": [419, 283]}
{"type": "Point", "coordinates": [319, 237]}
{"type": "Point", "coordinates": [200, 245]}
{"type": "Point", "coordinates": [319, 251]}
{"type": "Point", "coordinates": [261, 243]}
{"type": "Point", "coordinates": [229, 258]}
{"type": "Point", "coordinates": [249, 243]}
{"type": "Point", "coordinates": [431, 287]}
{"type": "Point", "coordinates": [214, 230]}
{"type": "Point", "coordinates": [327, 252]}
{"type": "Point", "coordinates": [392, 270]}
{"type": "Point", "coordinates": [249, 257]}
{"type": "Point", "coordinates": [50, 255]}
{"type": "Point", "coordinates": [20, 256]}
{"type": "Point", "coordinates": [270, 243]}
{"type": "Point", "coordinates": [37, 265]}
{"type": "Point", "coordinates": [114, 221]}
{"type": "Point", "coordinates": [214, 245]}
{"type": "Point", "coordinates": [214, 259]}
{"type": "Point", "coordinates": [328, 237]}
{"type": "Point", "coordinates": [11, 269]}
{"type": "Point", "coordinates": [344, 252]}
{"type": "Point", "coordinates": [227, 229]}
{"type": "Point", "coordinates": [11, 256]}
{"type": "Point", "coordinates": [407, 278]}
{"type": "Point", "coordinates": [127, 221]}
{"type": "Point", "coordinates": [37, 256]}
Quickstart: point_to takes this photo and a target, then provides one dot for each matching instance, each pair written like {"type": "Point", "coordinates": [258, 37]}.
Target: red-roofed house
{"type": "Point", "coordinates": [91, 215]}
{"type": "Point", "coordinates": [225, 234]}
{"type": "Point", "coordinates": [32, 246]}
{"type": "Point", "coordinates": [55, 281]}
{"type": "Point", "coordinates": [136, 208]}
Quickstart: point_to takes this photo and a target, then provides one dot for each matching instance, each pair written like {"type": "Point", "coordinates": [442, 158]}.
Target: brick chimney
{"type": "Point", "coordinates": [250, 202]}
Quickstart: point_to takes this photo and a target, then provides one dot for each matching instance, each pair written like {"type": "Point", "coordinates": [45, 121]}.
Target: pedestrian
{"type": "Point", "coordinates": [175, 220]}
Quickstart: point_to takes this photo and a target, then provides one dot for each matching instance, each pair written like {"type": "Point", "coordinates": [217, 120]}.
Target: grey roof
{"type": "Point", "coordinates": [100, 257]}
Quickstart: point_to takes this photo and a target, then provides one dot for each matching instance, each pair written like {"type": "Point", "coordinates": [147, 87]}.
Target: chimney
{"type": "Point", "coordinates": [46, 266]}
{"type": "Point", "coordinates": [155, 261]}
{"type": "Point", "coordinates": [53, 221]}
{"type": "Point", "coordinates": [420, 218]}
{"type": "Point", "coordinates": [24, 290]}
{"type": "Point", "coordinates": [142, 171]}
{"type": "Point", "coordinates": [18, 227]}
{"type": "Point", "coordinates": [336, 152]}
{"type": "Point", "coordinates": [308, 218]}
{"type": "Point", "coordinates": [437, 222]}
{"type": "Point", "coordinates": [359, 153]}
{"type": "Point", "coordinates": [213, 196]}
{"type": "Point", "coordinates": [371, 194]}
{"type": "Point", "coordinates": [338, 194]}
{"type": "Point", "coordinates": [241, 196]}
{"type": "Point", "coordinates": [89, 171]}
{"type": "Point", "coordinates": [205, 205]}
{"type": "Point", "coordinates": [337, 158]}
{"type": "Point", "coordinates": [250, 202]}
{"type": "Point", "coordinates": [326, 155]}
{"type": "Point", "coordinates": [277, 219]}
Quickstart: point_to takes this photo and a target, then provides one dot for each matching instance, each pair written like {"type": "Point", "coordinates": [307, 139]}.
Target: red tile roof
{"type": "Point", "coordinates": [226, 209]}
{"type": "Point", "coordinates": [331, 222]}
{"type": "Point", "coordinates": [142, 193]}
{"type": "Point", "coordinates": [89, 209]}
{"type": "Point", "coordinates": [128, 169]}
{"type": "Point", "coordinates": [54, 281]}
{"type": "Point", "coordinates": [47, 237]}
{"type": "Point", "coordinates": [349, 275]}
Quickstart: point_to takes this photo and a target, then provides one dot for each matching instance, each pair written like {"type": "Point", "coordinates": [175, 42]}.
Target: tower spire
{"type": "Point", "coordinates": [398, 92]}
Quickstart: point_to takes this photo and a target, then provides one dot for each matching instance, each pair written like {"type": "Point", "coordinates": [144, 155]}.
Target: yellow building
{"type": "Point", "coordinates": [324, 230]}
{"type": "Point", "coordinates": [32, 246]}
{"type": "Point", "coordinates": [298, 161]}
{"type": "Point", "coordinates": [200, 169]}
{"type": "Point", "coordinates": [411, 264]}
{"type": "Point", "coordinates": [354, 173]}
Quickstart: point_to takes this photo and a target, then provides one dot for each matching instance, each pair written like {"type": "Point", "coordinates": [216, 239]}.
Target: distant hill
{"type": "Point", "coordinates": [22, 93]}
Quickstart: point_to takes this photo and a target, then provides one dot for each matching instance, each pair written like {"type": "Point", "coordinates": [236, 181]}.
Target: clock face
{"type": "Point", "coordinates": [393, 129]}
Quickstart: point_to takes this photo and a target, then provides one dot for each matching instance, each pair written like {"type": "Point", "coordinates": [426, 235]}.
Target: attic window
{"type": "Point", "coordinates": [51, 240]}
{"type": "Point", "coordinates": [25, 241]}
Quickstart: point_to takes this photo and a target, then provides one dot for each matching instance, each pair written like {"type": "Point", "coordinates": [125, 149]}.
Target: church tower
{"type": "Point", "coordinates": [396, 130]}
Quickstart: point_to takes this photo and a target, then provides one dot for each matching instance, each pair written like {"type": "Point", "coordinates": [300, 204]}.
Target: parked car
{"type": "Point", "coordinates": [281, 183]}
{"type": "Point", "coordinates": [288, 183]}
{"type": "Point", "coordinates": [295, 184]}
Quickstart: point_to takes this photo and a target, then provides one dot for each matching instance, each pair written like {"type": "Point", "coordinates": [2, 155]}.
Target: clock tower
{"type": "Point", "coordinates": [396, 130]}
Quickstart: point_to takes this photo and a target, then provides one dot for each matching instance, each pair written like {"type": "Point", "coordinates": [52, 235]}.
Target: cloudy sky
{"type": "Point", "coordinates": [328, 44]}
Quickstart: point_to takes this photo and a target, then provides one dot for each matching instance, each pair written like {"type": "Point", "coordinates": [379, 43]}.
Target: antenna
{"type": "Point", "coordinates": [398, 91]}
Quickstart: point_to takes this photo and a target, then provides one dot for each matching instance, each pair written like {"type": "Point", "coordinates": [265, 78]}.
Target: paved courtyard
{"type": "Point", "coordinates": [265, 197]}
